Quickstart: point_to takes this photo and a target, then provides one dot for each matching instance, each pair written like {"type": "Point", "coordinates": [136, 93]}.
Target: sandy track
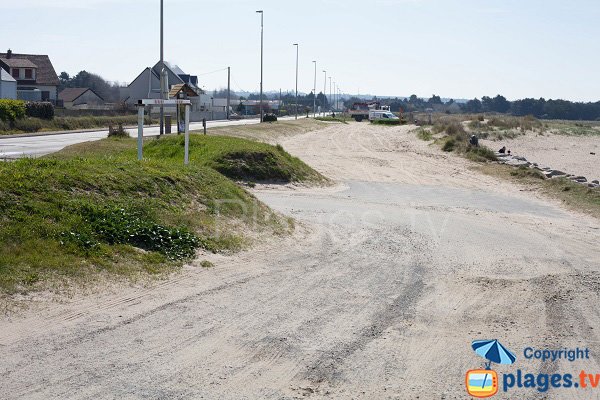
{"type": "Point", "coordinates": [390, 276]}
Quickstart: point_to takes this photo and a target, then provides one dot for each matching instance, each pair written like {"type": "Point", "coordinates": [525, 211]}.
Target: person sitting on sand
{"type": "Point", "coordinates": [502, 150]}
{"type": "Point", "coordinates": [474, 141]}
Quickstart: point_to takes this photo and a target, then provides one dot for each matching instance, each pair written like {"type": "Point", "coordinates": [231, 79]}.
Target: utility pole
{"type": "Point", "coordinates": [228, 90]}
{"type": "Point", "coordinates": [261, 63]}
{"type": "Point", "coordinates": [162, 67]}
{"type": "Point", "coordinates": [315, 93]}
{"type": "Point", "coordinates": [297, 52]}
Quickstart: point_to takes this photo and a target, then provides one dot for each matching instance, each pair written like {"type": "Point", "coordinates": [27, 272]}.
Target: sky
{"type": "Point", "coordinates": [452, 48]}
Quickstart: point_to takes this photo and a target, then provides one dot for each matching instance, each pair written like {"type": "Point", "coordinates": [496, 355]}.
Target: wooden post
{"type": "Point", "coordinates": [140, 138]}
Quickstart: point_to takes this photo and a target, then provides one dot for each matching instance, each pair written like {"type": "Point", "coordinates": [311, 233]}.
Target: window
{"type": "Point", "coordinates": [16, 73]}
{"type": "Point", "coordinates": [28, 73]}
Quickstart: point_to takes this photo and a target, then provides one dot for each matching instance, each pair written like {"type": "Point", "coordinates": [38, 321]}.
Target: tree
{"type": "Point", "coordinates": [435, 100]}
{"type": "Point", "coordinates": [473, 106]}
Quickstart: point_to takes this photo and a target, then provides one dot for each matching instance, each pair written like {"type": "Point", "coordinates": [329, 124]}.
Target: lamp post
{"type": "Point", "coordinates": [330, 96]}
{"type": "Point", "coordinates": [297, 52]}
{"type": "Point", "coordinates": [315, 92]}
{"type": "Point", "coordinates": [261, 63]}
{"type": "Point", "coordinates": [324, 90]}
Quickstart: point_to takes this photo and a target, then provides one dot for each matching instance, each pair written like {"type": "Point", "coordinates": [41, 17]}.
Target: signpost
{"type": "Point", "coordinates": [160, 102]}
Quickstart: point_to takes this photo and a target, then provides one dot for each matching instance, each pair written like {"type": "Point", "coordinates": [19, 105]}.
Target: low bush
{"type": "Point", "coordinates": [449, 145]}
{"type": "Point", "coordinates": [11, 110]}
{"type": "Point", "coordinates": [387, 122]}
{"type": "Point", "coordinates": [28, 125]}
{"type": "Point", "coordinates": [480, 154]}
{"type": "Point", "coordinates": [39, 109]}
{"type": "Point", "coordinates": [424, 134]}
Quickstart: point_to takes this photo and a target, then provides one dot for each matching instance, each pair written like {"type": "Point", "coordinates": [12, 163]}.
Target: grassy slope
{"type": "Point", "coordinates": [50, 208]}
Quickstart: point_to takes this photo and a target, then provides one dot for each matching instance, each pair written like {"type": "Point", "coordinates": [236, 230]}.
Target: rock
{"type": "Point", "coordinates": [520, 158]}
{"type": "Point", "coordinates": [592, 153]}
{"type": "Point", "coordinates": [580, 179]}
{"type": "Point", "coordinates": [596, 181]}
{"type": "Point", "coordinates": [592, 185]}
{"type": "Point", "coordinates": [517, 163]}
{"type": "Point", "coordinates": [552, 173]}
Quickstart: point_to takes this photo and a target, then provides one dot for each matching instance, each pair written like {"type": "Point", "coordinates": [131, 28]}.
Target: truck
{"type": "Point", "coordinates": [360, 111]}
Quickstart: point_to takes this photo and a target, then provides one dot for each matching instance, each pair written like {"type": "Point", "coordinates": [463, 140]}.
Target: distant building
{"type": "Point", "coordinates": [35, 75]}
{"type": "Point", "coordinates": [8, 86]}
{"type": "Point", "coordinates": [80, 98]}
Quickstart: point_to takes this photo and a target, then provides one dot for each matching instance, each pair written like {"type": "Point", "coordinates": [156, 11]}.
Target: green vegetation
{"type": "Point", "coordinates": [424, 134]}
{"type": "Point", "coordinates": [570, 128]}
{"type": "Point", "coordinates": [30, 125]}
{"type": "Point", "coordinates": [93, 209]}
{"type": "Point", "coordinates": [389, 122]}
{"type": "Point", "coordinates": [340, 119]}
{"type": "Point", "coordinates": [11, 110]}
{"type": "Point", "coordinates": [456, 139]}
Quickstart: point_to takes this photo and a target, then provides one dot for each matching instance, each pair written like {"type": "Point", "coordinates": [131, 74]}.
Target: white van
{"type": "Point", "coordinates": [381, 114]}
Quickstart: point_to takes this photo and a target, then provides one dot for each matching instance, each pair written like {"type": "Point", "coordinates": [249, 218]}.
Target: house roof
{"type": "Point", "coordinates": [45, 75]}
{"type": "Point", "coordinates": [6, 77]}
{"type": "Point", "coordinates": [72, 94]}
{"type": "Point", "coordinates": [18, 62]}
{"type": "Point", "coordinates": [175, 89]}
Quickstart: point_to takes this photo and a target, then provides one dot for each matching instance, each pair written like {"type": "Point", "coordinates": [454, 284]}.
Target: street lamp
{"type": "Point", "coordinates": [324, 90]}
{"type": "Point", "coordinates": [297, 50]}
{"type": "Point", "coordinates": [315, 92]}
{"type": "Point", "coordinates": [330, 96]}
{"type": "Point", "coordinates": [261, 63]}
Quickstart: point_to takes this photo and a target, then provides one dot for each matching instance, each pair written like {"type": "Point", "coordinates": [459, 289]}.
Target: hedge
{"type": "Point", "coordinates": [39, 109]}
{"type": "Point", "coordinates": [11, 110]}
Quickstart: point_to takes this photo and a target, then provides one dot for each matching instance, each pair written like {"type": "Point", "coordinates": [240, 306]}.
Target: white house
{"type": "Point", "coordinates": [35, 75]}
{"type": "Point", "coordinates": [8, 86]}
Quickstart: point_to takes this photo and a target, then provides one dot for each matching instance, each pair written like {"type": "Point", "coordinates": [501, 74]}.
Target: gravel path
{"type": "Point", "coordinates": [390, 276]}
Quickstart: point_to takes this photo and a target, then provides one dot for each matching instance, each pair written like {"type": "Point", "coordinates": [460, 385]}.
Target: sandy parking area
{"type": "Point", "coordinates": [570, 154]}
{"type": "Point", "coordinates": [391, 274]}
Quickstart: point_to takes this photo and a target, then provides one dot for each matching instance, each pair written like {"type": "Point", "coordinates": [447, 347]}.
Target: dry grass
{"type": "Point", "coordinates": [572, 195]}
{"type": "Point", "coordinates": [269, 132]}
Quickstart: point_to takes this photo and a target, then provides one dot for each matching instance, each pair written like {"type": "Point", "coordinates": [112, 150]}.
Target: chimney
{"type": "Point", "coordinates": [9, 53]}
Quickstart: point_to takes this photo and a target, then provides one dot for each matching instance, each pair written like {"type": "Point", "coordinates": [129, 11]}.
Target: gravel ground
{"type": "Point", "coordinates": [391, 274]}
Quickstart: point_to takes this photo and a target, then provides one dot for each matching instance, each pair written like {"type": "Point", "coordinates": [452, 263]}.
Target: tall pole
{"type": "Point", "coordinates": [315, 93]}
{"type": "Point", "coordinates": [324, 90]}
{"type": "Point", "coordinates": [228, 90]}
{"type": "Point", "coordinates": [297, 52]}
{"type": "Point", "coordinates": [162, 67]}
{"type": "Point", "coordinates": [261, 63]}
{"type": "Point", "coordinates": [330, 96]}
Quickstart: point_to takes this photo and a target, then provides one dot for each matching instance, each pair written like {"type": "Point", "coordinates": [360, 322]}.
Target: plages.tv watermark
{"type": "Point", "coordinates": [486, 382]}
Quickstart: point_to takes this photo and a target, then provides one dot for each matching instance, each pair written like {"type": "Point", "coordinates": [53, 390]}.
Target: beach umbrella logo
{"type": "Point", "coordinates": [483, 383]}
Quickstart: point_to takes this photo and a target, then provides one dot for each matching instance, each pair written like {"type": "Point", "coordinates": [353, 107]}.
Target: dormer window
{"type": "Point", "coordinates": [28, 73]}
{"type": "Point", "coordinates": [16, 72]}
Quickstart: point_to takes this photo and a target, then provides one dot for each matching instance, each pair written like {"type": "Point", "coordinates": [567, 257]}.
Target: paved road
{"type": "Point", "coordinates": [35, 146]}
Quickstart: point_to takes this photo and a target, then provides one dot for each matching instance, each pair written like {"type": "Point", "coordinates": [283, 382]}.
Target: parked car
{"type": "Point", "coordinates": [381, 114]}
{"type": "Point", "coordinates": [270, 117]}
